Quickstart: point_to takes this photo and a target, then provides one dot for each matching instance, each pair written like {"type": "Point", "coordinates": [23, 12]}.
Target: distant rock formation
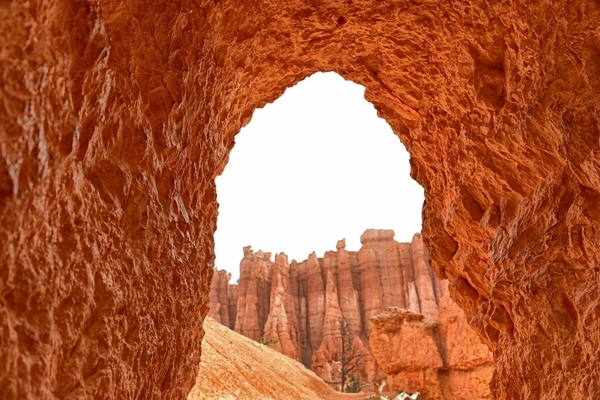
{"type": "Point", "coordinates": [223, 297]}
{"type": "Point", "coordinates": [299, 306]}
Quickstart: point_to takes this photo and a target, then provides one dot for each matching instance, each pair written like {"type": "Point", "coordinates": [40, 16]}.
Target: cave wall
{"type": "Point", "coordinates": [116, 116]}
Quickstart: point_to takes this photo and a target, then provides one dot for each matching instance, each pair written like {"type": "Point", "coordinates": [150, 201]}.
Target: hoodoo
{"type": "Point", "coordinates": [304, 304]}
{"type": "Point", "coordinates": [116, 117]}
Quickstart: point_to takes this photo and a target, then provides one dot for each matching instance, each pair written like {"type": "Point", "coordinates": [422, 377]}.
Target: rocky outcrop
{"type": "Point", "coordinates": [406, 349]}
{"type": "Point", "coordinates": [253, 294]}
{"type": "Point", "coordinates": [234, 367]}
{"type": "Point", "coordinates": [115, 122]}
{"type": "Point", "coordinates": [303, 303]}
{"type": "Point", "coordinates": [443, 360]}
{"type": "Point", "coordinates": [467, 361]}
{"type": "Point", "coordinates": [282, 323]}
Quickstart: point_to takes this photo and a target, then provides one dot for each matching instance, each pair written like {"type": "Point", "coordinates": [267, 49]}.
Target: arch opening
{"type": "Point", "coordinates": [315, 166]}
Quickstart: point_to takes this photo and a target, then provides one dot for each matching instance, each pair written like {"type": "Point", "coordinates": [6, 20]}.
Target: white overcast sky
{"type": "Point", "coordinates": [315, 166]}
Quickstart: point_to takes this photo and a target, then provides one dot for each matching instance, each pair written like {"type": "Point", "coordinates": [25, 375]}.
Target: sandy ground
{"type": "Point", "coordinates": [234, 367]}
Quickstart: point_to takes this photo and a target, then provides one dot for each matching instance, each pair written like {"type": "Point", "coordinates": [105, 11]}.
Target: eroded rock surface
{"type": "Point", "coordinates": [115, 118]}
{"type": "Point", "coordinates": [442, 360]}
{"type": "Point", "coordinates": [468, 363]}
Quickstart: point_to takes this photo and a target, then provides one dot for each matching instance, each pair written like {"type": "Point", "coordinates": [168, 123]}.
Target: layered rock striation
{"type": "Point", "coordinates": [298, 307]}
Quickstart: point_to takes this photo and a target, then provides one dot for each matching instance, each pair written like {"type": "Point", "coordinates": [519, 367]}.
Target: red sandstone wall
{"type": "Point", "coordinates": [115, 118]}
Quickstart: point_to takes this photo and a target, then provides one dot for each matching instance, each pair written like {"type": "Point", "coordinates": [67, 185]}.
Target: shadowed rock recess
{"type": "Point", "coordinates": [116, 116]}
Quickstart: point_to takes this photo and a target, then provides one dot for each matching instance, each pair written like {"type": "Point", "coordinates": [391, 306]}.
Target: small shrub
{"type": "Point", "coordinates": [353, 386]}
{"type": "Point", "coordinates": [267, 341]}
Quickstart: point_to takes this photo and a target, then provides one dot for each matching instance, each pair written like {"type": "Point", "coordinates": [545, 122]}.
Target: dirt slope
{"type": "Point", "coordinates": [234, 367]}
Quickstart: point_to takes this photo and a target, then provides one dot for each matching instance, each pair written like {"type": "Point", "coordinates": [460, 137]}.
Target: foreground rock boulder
{"type": "Point", "coordinates": [116, 117]}
{"type": "Point", "coordinates": [442, 360]}
{"type": "Point", "coordinates": [299, 307]}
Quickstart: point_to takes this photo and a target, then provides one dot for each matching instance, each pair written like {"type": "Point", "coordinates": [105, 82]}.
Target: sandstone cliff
{"type": "Point", "coordinates": [299, 307]}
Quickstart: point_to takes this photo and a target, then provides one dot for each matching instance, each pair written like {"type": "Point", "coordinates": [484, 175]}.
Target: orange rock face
{"type": "Point", "coordinates": [406, 350]}
{"type": "Point", "coordinates": [253, 294]}
{"type": "Point", "coordinates": [219, 298]}
{"type": "Point", "coordinates": [442, 360]}
{"type": "Point", "coordinates": [319, 292]}
{"type": "Point", "coordinates": [282, 323]}
{"type": "Point", "coordinates": [467, 361]}
{"type": "Point", "coordinates": [115, 118]}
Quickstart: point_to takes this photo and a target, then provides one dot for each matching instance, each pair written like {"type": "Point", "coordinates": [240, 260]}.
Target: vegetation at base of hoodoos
{"type": "Point", "coordinates": [267, 341]}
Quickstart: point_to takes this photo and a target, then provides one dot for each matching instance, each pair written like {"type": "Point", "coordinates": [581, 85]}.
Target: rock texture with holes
{"type": "Point", "coordinates": [441, 360]}
{"type": "Point", "coordinates": [406, 349]}
{"type": "Point", "coordinates": [302, 305]}
{"type": "Point", "coordinates": [115, 118]}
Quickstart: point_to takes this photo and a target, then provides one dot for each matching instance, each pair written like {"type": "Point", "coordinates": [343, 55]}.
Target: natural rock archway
{"type": "Point", "coordinates": [115, 117]}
